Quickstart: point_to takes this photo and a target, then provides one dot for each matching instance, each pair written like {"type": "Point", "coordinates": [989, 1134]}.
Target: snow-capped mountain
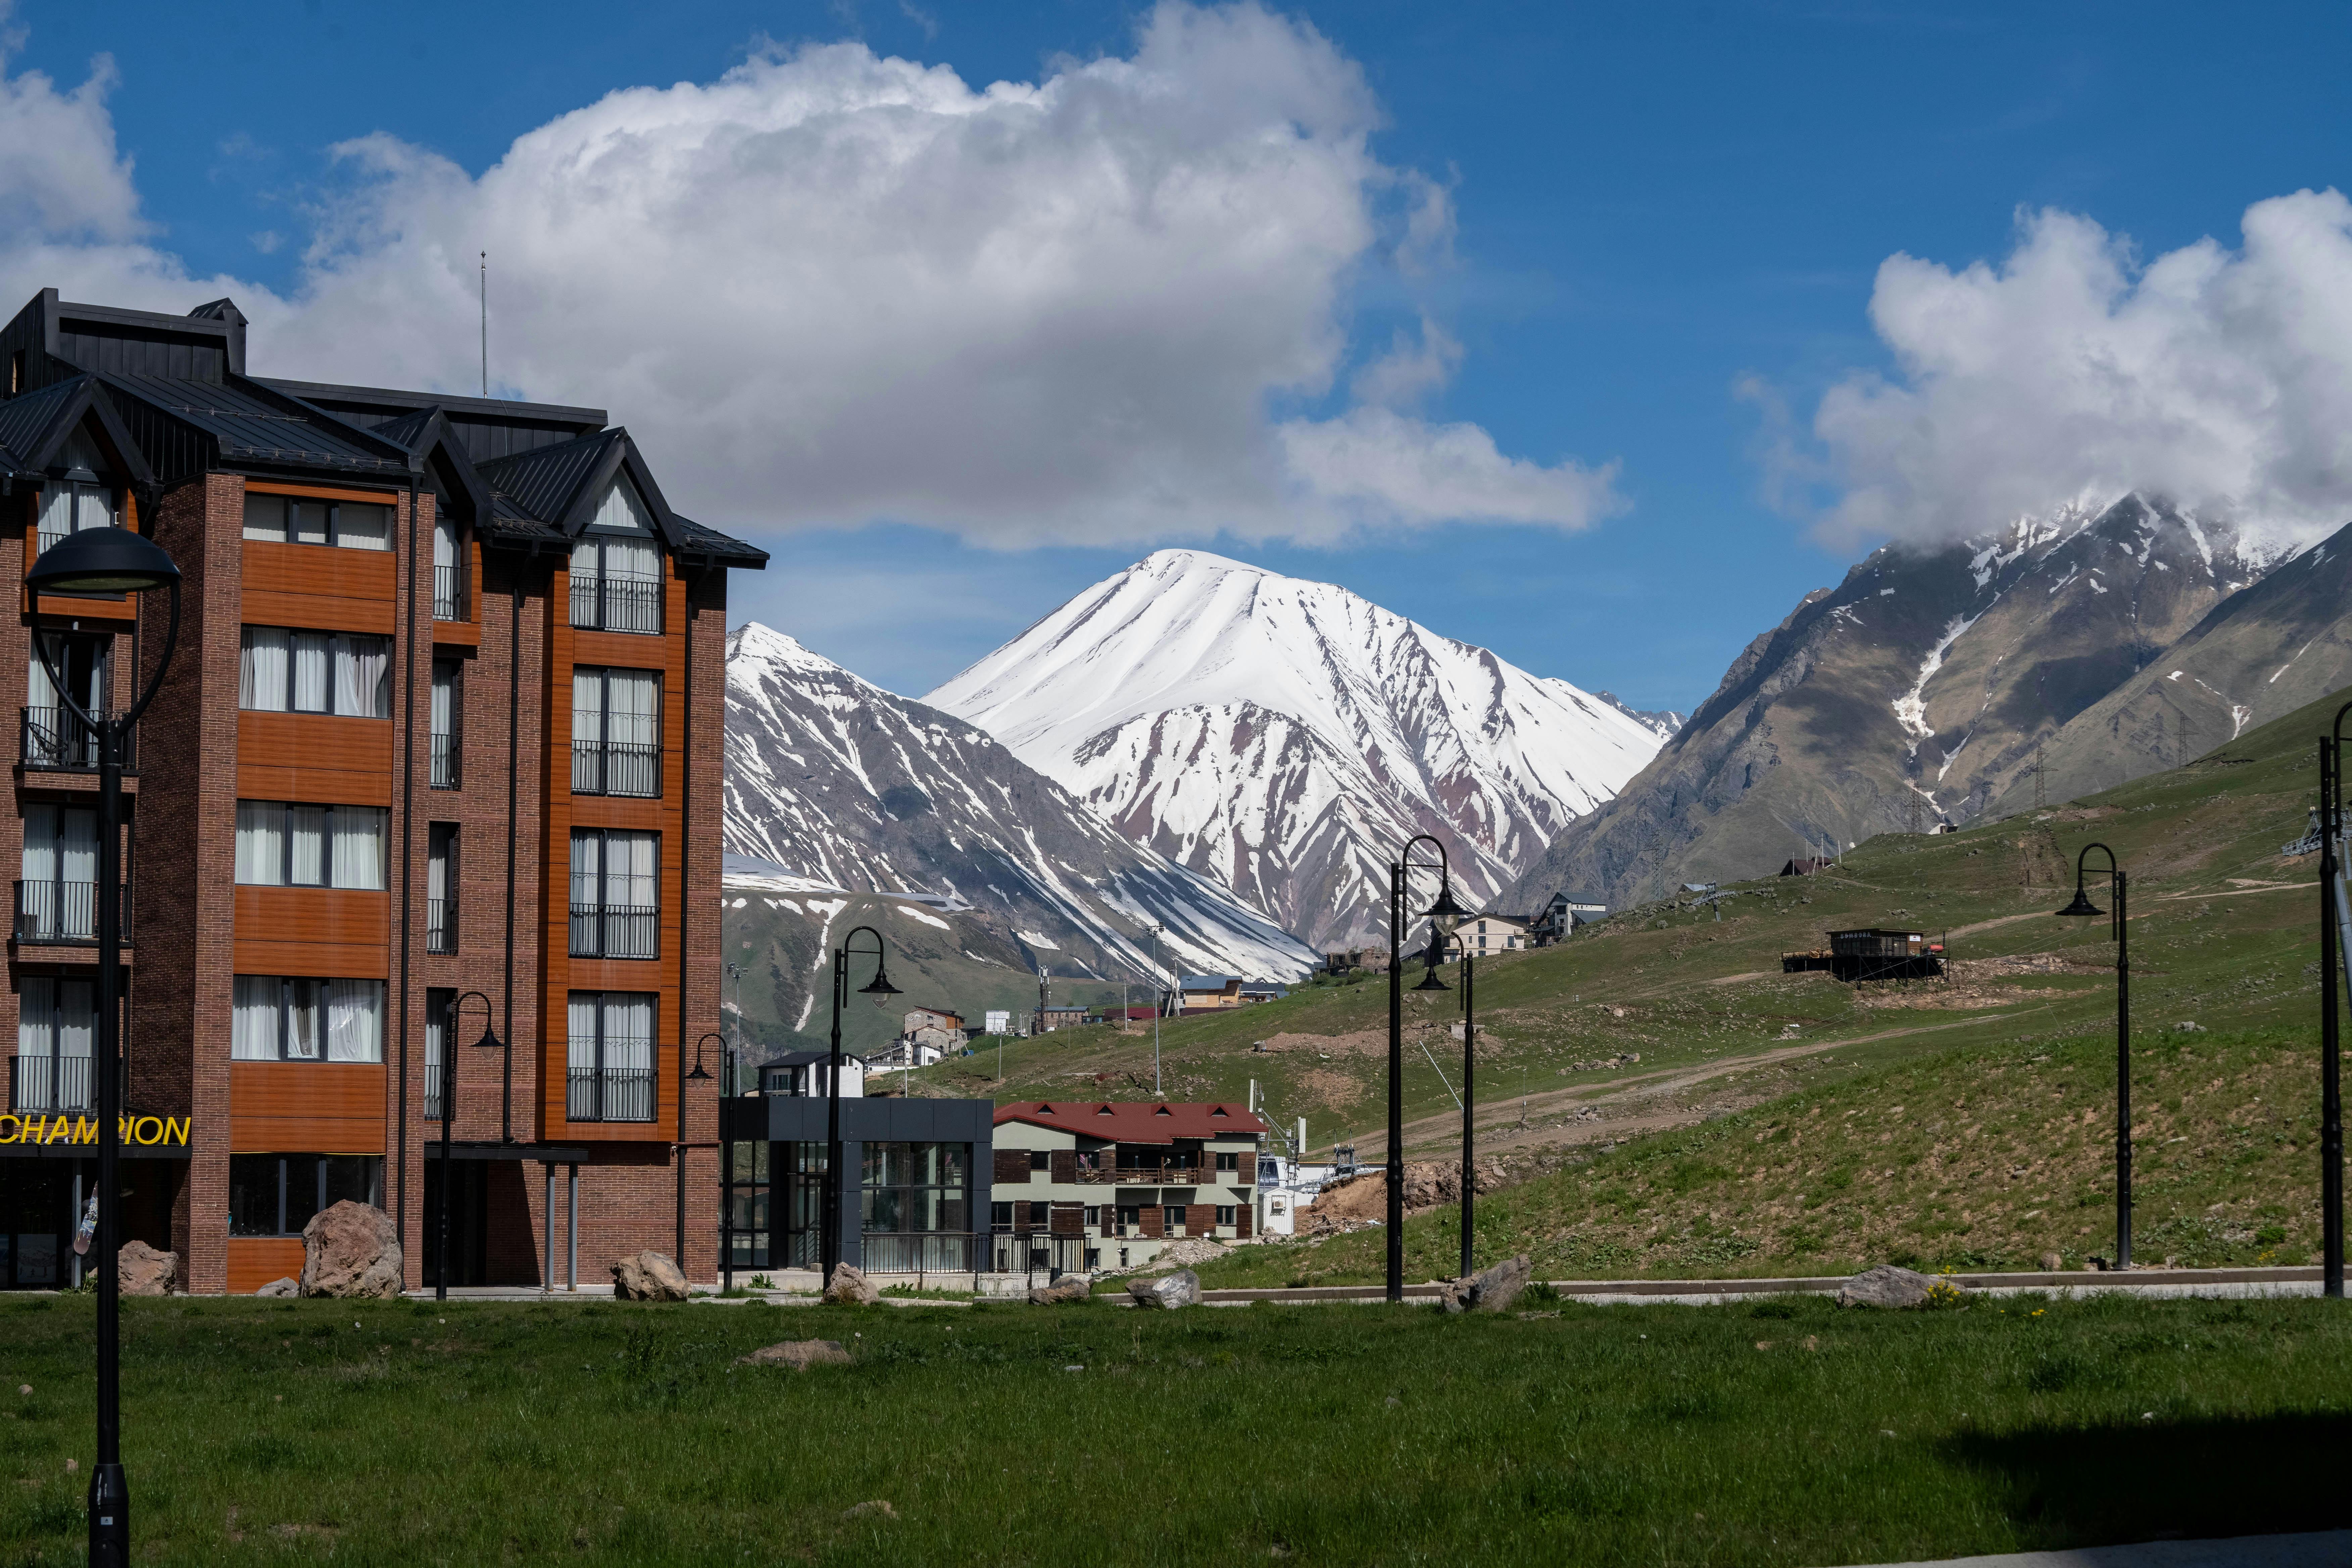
{"type": "Point", "coordinates": [1914, 691]}
{"type": "Point", "coordinates": [845, 786]}
{"type": "Point", "coordinates": [1286, 737]}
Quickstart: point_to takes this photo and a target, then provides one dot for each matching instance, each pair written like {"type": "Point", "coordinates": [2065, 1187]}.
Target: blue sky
{"type": "Point", "coordinates": [1645, 210]}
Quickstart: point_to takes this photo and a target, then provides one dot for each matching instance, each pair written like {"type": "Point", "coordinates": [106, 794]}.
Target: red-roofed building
{"type": "Point", "coordinates": [1128, 1175]}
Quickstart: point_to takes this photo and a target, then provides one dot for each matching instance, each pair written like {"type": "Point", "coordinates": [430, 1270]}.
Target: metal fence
{"type": "Point", "coordinates": [440, 925]}
{"type": "Point", "coordinates": [62, 912]}
{"type": "Point", "coordinates": [449, 593]}
{"type": "Point", "coordinates": [50, 1083]}
{"type": "Point", "coordinates": [615, 767]}
{"type": "Point", "coordinates": [56, 737]}
{"type": "Point", "coordinates": [617, 602]}
{"type": "Point", "coordinates": [609, 1094]}
{"type": "Point", "coordinates": [613, 930]}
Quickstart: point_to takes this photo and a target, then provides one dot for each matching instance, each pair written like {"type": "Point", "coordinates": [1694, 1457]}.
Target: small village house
{"type": "Point", "coordinates": [1114, 1182]}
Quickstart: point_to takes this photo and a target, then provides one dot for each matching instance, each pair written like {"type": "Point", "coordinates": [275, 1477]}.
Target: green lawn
{"type": "Point", "coordinates": [1782, 1432]}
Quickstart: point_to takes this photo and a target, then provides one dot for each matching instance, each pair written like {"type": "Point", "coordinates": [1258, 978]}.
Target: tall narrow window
{"type": "Point", "coordinates": [82, 500]}
{"type": "Point", "coordinates": [615, 732]}
{"type": "Point", "coordinates": [448, 578]}
{"type": "Point", "coordinates": [57, 1022]}
{"type": "Point", "coordinates": [53, 736]}
{"type": "Point", "coordinates": [438, 1005]}
{"type": "Point", "coordinates": [441, 888]}
{"type": "Point", "coordinates": [617, 566]}
{"type": "Point", "coordinates": [446, 706]}
{"type": "Point", "coordinates": [614, 902]}
{"type": "Point", "coordinates": [610, 1057]}
{"type": "Point", "coordinates": [281, 671]}
{"type": "Point", "coordinates": [57, 899]}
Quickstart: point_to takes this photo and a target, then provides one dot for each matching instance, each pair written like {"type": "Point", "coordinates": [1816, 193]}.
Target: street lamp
{"type": "Point", "coordinates": [107, 561]}
{"type": "Point", "coordinates": [1469, 1048]}
{"type": "Point", "coordinates": [2081, 908]}
{"type": "Point", "coordinates": [880, 989]}
{"type": "Point", "coordinates": [1442, 916]}
{"type": "Point", "coordinates": [488, 1042]}
{"type": "Point", "coordinates": [2335, 948]}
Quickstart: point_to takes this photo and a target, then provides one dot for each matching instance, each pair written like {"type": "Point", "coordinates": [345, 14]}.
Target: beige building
{"type": "Point", "coordinates": [1481, 935]}
{"type": "Point", "coordinates": [1103, 1184]}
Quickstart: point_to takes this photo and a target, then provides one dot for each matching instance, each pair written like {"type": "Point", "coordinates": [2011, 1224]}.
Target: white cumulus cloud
{"type": "Point", "coordinates": [2218, 378]}
{"type": "Point", "coordinates": [830, 287]}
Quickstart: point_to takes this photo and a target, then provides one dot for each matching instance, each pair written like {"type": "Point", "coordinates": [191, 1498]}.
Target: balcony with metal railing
{"type": "Point", "coordinates": [37, 1083]}
{"type": "Point", "coordinates": [609, 1094]}
{"type": "Point", "coordinates": [616, 767]}
{"type": "Point", "coordinates": [614, 931]}
{"type": "Point", "coordinates": [440, 925]}
{"type": "Point", "coordinates": [443, 769]}
{"type": "Point", "coordinates": [62, 913]}
{"type": "Point", "coordinates": [55, 739]}
{"type": "Point", "coordinates": [449, 593]}
{"type": "Point", "coordinates": [617, 602]}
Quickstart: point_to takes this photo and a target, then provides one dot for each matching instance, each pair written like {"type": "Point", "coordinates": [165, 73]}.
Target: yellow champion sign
{"type": "Point", "coordinates": [136, 1131]}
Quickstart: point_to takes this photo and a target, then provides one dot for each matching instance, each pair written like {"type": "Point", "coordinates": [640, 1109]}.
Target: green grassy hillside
{"type": "Point", "coordinates": [1995, 1067]}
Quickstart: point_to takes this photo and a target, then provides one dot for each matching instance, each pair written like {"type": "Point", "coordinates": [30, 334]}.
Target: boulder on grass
{"type": "Point", "coordinates": [1181, 1289]}
{"type": "Point", "coordinates": [1068, 1288]}
{"type": "Point", "coordinates": [850, 1288]}
{"type": "Point", "coordinates": [1888, 1285]}
{"type": "Point", "coordinates": [798, 1354]}
{"type": "Point", "coordinates": [286, 1287]}
{"type": "Point", "coordinates": [649, 1276]}
{"type": "Point", "coordinates": [351, 1249]}
{"type": "Point", "coordinates": [1490, 1290]}
{"type": "Point", "coordinates": [143, 1271]}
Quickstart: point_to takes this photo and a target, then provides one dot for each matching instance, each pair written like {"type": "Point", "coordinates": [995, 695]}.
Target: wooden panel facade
{"type": "Point", "coordinates": [257, 1260]}
{"type": "Point", "coordinates": [328, 1108]}
{"type": "Point", "coordinates": [316, 758]}
{"type": "Point", "coordinates": [665, 655]}
{"type": "Point", "coordinates": [347, 931]}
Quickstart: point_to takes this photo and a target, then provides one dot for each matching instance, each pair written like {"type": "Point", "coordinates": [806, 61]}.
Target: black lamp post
{"type": "Point", "coordinates": [2335, 947]}
{"type": "Point", "coordinates": [879, 989]}
{"type": "Point", "coordinates": [2081, 908]}
{"type": "Point", "coordinates": [1469, 1051]}
{"type": "Point", "coordinates": [108, 561]}
{"type": "Point", "coordinates": [488, 1042]}
{"type": "Point", "coordinates": [1442, 916]}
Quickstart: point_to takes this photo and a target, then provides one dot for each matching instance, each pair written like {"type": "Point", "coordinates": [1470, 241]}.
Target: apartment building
{"type": "Point", "coordinates": [1111, 1183]}
{"type": "Point", "coordinates": [356, 839]}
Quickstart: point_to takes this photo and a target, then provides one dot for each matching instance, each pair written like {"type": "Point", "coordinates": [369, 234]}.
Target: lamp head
{"type": "Point", "coordinates": [881, 990]}
{"type": "Point", "coordinates": [2081, 907]}
{"type": "Point", "coordinates": [102, 561]}
{"type": "Point", "coordinates": [1429, 980]}
{"type": "Point", "coordinates": [699, 1070]}
{"type": "Point", "coordinates": [489, 1040]}
{"type": "Point", "coordinates": [1444, 914]}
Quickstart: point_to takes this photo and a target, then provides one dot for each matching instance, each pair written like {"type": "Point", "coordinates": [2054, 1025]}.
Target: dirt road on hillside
{"type": "Point", "coordinates": [1626, 1107]}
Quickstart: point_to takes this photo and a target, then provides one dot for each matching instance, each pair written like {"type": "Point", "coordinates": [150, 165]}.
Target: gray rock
{"type": "Point", "coordinates": [143, 1271]}
{"type": "Point", "coordinates": [1490, 1290]}
{"type": "Point", "coordinates": [649, 1276]}
{"type": "Point", "coordinates": [1181, 1289]}
{"type": "Point", "coordinates": [287, 1287]}
{"type": "Point", "coordinates": [850, 1288]}
{"type": "Point", "coordinates": [351, 1249]}
{"type": "Point", "coordinates": [1885, 1286]}
{"type": "Point", "coordinates": [798, 1354]}
{"type": "Point", "coordinates": [1068, 1288]}
{"type": "Point", "coordinates": [2052, 1263]}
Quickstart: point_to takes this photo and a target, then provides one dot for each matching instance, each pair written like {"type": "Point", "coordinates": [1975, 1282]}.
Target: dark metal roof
{"type": "Point", "coordinates": [542, 484]}
{"type": "Point", "coordinates": [389, 397]}
{"type": "Point", "coordinates": [247, 423]}
{"type": "Point", "coordinates": [408, 431]}
{"type": "Point", "coordinates": [694, 538]}
{"type": "Point", "coordinates": [25, 421]}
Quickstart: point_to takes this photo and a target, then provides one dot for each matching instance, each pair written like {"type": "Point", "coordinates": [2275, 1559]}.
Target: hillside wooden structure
{"type": "Point", "coordinates": [1871, 953]}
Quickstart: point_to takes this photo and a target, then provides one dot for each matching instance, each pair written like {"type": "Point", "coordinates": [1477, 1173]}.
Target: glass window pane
{"type": "Point", "coordinates": [260, 843]}
{"type": "Point", "coordinates": [310, 670]}
{"type": "Point", "coordinates": [261, 670]}
{"type": "Point", "coordinates": [302, 1191]}
{"type": "Point", "coordinates": [265, 517]}
{"type": "Point", "coordinates": [253, 1194]}
{"type": "Point", "coordinates": [358, 854]}
{"type": "Point", "coordinates": [354, 1020]}
{"type": "Point", "coordinates": [306, 831]}
{"type": "Point", "coordinates": [310, 520]}
{"type": "Point", "coordinates": [302, 1021]}
{"type": "Point", "coordinates": [253, 1033]}
{"type": "Point", "coordinates": [361, 527]}
{"type": "Point", "coordinates": [356, 1177]}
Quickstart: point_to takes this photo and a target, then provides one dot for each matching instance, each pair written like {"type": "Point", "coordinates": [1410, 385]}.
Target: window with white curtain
{"type": "Point", "coordinates": [282, 844]}
{"type": "Point", "coordinates": [56, 1018]}
{"type": "Point", "coordinates": [615, 731]}
{"type": "Point", "coordinates": [83, 498]}
{"type": "Point", "coordinates": [615, 879]}
{"type": "Point", "coordinates": [617, 565]}
{"type": "Point", "coordinates": [281, 671]}
{"type": "Point", "coordinates": [288, 1019]}
{"type": "Point", "coordinates": [57, 899]}
{"type": "Point", "coordinates": [442, 773]}
{"type": "Point", "coordinates": [610, 1056]}
{"type": "Point", "coordinates": [301, 520]}
{"type": "Point", "coordinates": [439, 1005]}
{"type": "Point", "coordinates": [448, 579]}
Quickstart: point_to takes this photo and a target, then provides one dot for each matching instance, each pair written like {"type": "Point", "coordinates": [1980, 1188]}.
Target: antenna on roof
{"type": "Point", "coordinates": [486, 323]}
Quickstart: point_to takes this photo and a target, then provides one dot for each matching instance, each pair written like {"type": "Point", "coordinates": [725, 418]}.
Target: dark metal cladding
{"type": "Point", "coordinates": [544, 483]}
{"type": "Point", "coordinates": [248, 426]}
{"type": "Point", "coordinates": [25, 421]}
{"type": "Point", "coordinates": [489, 429]}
